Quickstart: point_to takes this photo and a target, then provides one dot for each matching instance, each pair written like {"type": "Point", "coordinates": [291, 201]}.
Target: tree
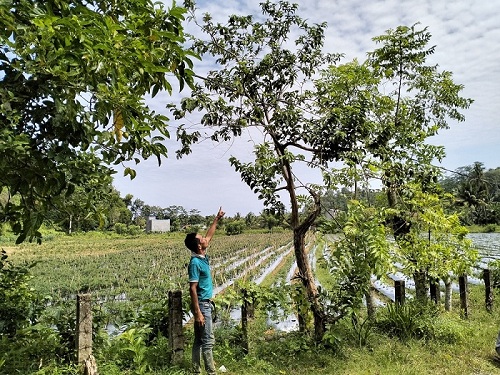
{"type": "Point", "coordinates": [250, 220]}
{"type": "Point", "coordinates": [89, 207]}
{"type": "Point", "coordinates": [136, 208]}
{"type": "Point", "coordinates": [476, 191]}
{"type": "Point", "coordinates": [361, 251]}
{"type": "Point", "coordinates": [261, 83]}
{"type": "Point", "coordinates": [394, 125]}
{"type": "Point", "coordinates": [178, 217]}
{"type": "Point", "coordinates": [74, 76]}
{"type": "Point", "coordinates": [435, 246]}
{"type": "Point", "coordinates": [234, 227]}
{"type": "Point", "coordinates": [423, 101]}
{"type": "Point", "coordinates": [270, 220]}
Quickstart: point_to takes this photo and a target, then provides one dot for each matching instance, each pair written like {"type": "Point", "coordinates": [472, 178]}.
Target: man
{"type": "Point", "coordinates": [200, 290]}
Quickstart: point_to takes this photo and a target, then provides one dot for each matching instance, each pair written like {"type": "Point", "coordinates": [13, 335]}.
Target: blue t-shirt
{"type": "Point", "coordinates": [199, 271]}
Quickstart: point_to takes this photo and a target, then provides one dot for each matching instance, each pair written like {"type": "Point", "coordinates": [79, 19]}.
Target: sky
{"type": "Point", "coordinates": [466, 34]}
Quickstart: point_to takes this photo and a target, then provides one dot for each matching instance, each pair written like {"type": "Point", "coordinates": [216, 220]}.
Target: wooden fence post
{"type": "Point", "coordinates": [84, 334]}
{"type": "Point", "coordinates": [244, 320]}
{"type": "Point", "coordinates": [176, 337]}
{"type": "Point", "coordinates": [399, 291]}
{"type": "Point", "coordinates": [487, 290]}
{"type": "Point", "coordinates": [464, 305]}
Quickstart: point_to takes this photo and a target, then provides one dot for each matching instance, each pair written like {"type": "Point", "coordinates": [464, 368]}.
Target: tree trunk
{"type": "Point", "coordinates": [420, 278]}
{"type": "Point", "coordinates": [448, 294]}
{"type": "Point", "coordinates": [370, 302]}
{"type": "Point", "coordinates": [307, 278]}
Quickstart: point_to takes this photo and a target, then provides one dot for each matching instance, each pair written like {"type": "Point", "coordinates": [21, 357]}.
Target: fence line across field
{"type": "Point", "coordinates": [176, 336]}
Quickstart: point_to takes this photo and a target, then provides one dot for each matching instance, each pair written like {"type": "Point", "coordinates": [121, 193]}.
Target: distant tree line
{"type": "Point", "coordinates": [472, 192]}
{"type": "Point", "coordinates": [99, 206]}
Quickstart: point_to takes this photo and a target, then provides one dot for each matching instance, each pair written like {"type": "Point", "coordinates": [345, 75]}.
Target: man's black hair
{"type": "Point", "coordinates": [192, 242]}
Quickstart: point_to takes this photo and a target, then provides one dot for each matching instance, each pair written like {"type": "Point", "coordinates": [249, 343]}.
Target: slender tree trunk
{"type": "Point", "coordinates": [300, 228]}
{"type": "Point", "coordinates": [370, 302]}
{"type": "Point", "coordinates": [447, 294]}
{"type": "Point", "coordinates": [420, 278]}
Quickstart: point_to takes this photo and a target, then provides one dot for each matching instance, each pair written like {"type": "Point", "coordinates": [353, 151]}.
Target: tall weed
{"type": "Point", "coordinates": [417, 320]}
{"type": "Point", "coordinates": [410, 320]}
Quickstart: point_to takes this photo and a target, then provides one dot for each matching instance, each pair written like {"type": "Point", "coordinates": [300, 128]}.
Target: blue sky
{"type": "Point", "coordinates": [467, 38]}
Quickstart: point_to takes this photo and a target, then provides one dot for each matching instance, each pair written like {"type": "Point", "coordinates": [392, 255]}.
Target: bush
{"type": "Point", "coordinates": [448, 330]}
{"type": "Point", "coordinates": [120, 228]}
{"type": "Point", "coordinates": [134, 230]}
{"type": "Point", "coordinates": [236, 227]}
{"type": "Point", "coordinates": [421, 321]}
{"type": "Point", "coordinates": [494, 267]}
{"type": "Point", "coordinates": [20, 305]}
{"type": "Point", "coordinates": [129, 350]}
{"type": "Point", "coordinates": [414, 319]}
{"type": "Point", "coordinates": [490, 228]}
{"type": "Point", "coordinates": [32, 348]}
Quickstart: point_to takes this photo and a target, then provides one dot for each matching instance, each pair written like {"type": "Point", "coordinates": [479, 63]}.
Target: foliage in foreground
{"type": "Point", "coordinates": [397, 340]}
{"type": "Point", "coordinates": [74, 75]}
{"type": "Point", "coordinates": [408, 339]}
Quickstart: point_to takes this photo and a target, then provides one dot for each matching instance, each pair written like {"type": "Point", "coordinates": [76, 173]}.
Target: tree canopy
{"type": "Point", "coordinates": [74, 77]}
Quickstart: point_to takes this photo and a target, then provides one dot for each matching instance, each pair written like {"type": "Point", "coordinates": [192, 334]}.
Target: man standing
{"type": "Point", "coordinates": [200, 290]}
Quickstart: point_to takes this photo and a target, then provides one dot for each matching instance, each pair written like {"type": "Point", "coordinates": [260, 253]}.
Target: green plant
{"type": "Point", "coordinates": [494, 267]}
{"type": "Point", "coordinates": [490, 228]}
{"type": "Point", "coordinates": [131, 349]}
{"type": "Point", "coordinates": [20, 305]}
{"type": "Point", "coordinates": [134, 230]}
{"type": "Point", "coordinates": [229, 345]}
{"type": "Point", "coordinates": [362, 329]}
{"type": "Point", "coordinates": [120, 228]}
{"type": "Point", "coordinates": [235, 227]}
{"type": "Point", "coordinates": [154, 316]}
{"type": "Point", "coordinates": [331, 339]}
{"type": "Point", "coordinates": [32, 348]}
{"type": "Point", "coordinates": [448, 330]}
{"type": "Point", "coordinates": [57, 369]}
{"type": "Point", "coordinates": [413, 319]}
{"type": "Point", "coordinates": [113, 56]}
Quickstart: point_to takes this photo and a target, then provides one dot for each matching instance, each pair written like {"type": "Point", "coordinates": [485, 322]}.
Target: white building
{"type": "Point", "coordinates": [155, 225]}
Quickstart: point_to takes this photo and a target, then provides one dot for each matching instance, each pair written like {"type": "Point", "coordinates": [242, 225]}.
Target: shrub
{"type": "Point", "coordinates": [120, 228]}
{"type": "Point", "coordinates": [490, 228]}
{"type": "Point", "coordinates": [20, 305]}
{"type": "Point", "coordinates": [236, 227]}
{"type": "Point", "coordinates": [494, 267]}
{"type": "Point", "coordinates": [448, 330]}
{"type": "Point", "coordinates": [134, 230]}
{"type": "Point", "coordinates": [129, 350]}
{"type": "Point", "coordinates": [32, 347]}
{"type": "Point", "coordinates": [414, 319]}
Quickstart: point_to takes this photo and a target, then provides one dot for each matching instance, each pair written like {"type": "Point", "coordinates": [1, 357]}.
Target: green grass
{"type": "Point", "coordinates": [471, 352]}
